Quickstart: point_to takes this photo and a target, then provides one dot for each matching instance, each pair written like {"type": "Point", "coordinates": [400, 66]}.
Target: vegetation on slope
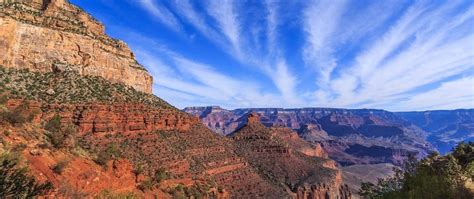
{"type": "Point", "coordinates": [433, 177]}
{"type": "Point", "coordinates": [68, 87]}
{"type": "Point", "coordinates": [14, 181]}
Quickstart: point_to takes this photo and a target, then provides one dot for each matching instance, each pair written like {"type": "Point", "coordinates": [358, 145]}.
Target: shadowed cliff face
{"type": "Point", "coordinates": [349, 136]}
{"type": "Point", "coordinates": [52, 35]}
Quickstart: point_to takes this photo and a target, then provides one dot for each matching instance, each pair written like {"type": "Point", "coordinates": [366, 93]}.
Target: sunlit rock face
{"type": "Point", "coordinates": [53, 35]}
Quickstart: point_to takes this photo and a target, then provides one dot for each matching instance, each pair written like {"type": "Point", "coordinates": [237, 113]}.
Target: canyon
{"type": "Point", "coordinates": [359, 136]}
{"type": "Point", "coordinates": [142, 139]}
{"type": "Point", "coordinates": [437, 130]}
{"type": "Point", "coordinates": [76, 108]}
{"type": "Point", "coordinates": [366, 143]}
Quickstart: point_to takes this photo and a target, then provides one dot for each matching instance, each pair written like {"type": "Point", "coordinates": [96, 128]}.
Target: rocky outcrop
{"type": "Point", "coordinates": [53, 35]}
{"type": "Point", "coordinates": [282, 158]}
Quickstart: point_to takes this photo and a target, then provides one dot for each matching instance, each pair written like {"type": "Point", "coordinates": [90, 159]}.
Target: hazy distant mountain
{"type": "Point", "coordinates": [446, 128]}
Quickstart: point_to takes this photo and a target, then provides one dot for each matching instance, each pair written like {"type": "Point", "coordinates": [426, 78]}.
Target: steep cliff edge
{"type": "Point", "coordinates": [51, 35]}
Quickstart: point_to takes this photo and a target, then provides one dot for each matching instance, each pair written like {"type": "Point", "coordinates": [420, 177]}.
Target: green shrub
{"type": "Point", "coordinates": [19, 147]}
{"type": "Point", "coordinates": [13, 117]}
{"type": "Point", "coordinates": [3, 99]}
{"type": "Point", "coordinates": [54, 124]}
{"type": "Point", "coordinates": [179, 187]}
{"type": "Point", "coordinates": [139, 169]}
{"type": "Point", "coordinates": [59, 134]}
{"type": "Point", "coordinates": [111, 152]}
{"type": "Point", "coordinates": [107, 194]}
{"type": "Point", "coordinates": [59, 138]}
{"type": "Point", "coordinates": [59, 167]}
{"type": "Point", "coordinates": [19, 115]}
{"type": "Point", "coordinates": [432, 177]}
{"type": "Point", "coordinates": [146, 185]}
{"type": "Point", "coordinates": [14, 181]}
{"type": "Point", "coordinates": [160, 175]}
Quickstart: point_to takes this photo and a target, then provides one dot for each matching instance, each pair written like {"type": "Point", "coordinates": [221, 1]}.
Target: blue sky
{"type": "Point", "coordinates": [395, 55]}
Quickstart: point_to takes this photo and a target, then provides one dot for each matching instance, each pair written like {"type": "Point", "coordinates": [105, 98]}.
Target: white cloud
{"type": "Point", "coordinates": [321, 20]}
{"type": "Point", "coordinates": [452, 94]}
{"type": "Point", "coordinates": [272, 23]}
{"type": "Point", "coordinates": [162, 14]}
{"type": "Point", "coordinates": [286, 83]}
{"type": "Point", "coordinates": [225, 15]}
{"type": "Point", "coordinates": [199, 84]}
{"type": "Point", "coordinates": [382, 76]}
{"type": "Point", "coordinates": [187, 11]}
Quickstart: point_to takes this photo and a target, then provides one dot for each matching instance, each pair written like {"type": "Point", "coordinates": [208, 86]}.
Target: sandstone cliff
{"type": "Point", "coordinates": [48, 35]}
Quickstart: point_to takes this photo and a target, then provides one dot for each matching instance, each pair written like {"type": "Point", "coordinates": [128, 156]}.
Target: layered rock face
{"type": "Point", "coordinates": [51, 35]}
{"type": "Point", "coordinates": [349, 136]}
{"type": "Point", "coordinates": [283, 159]}
{"type": "Point", "coordinates": [155, 138]}
{"type": "Point", "coordinates": [100, 118]}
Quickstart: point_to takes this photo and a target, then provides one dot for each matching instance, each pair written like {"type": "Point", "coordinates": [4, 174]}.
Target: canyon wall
{"type": "Point", "coordinates": [52, 35]}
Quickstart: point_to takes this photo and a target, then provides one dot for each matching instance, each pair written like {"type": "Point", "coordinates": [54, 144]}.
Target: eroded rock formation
{"type": "Point", "coordinates": [53, 35]}
{"type": "Point", "coordinates": [288, 162]}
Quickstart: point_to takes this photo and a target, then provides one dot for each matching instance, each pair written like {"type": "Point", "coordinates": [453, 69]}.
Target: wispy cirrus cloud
{"type": "Point", "coordinates": [382, 75]}
{"type": "Point", "coordinates": [455, 94]}
{"type": "Point", "coordinates": [320, 23]}
{"type": "Point", "coordinates": [187, 11]}
{"type": "Point", "coordinates": [182, 80]}
{"type": "Point", "coordinates": [225, 15]}
{"type": "Point", "coordinates": [161, 13]}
